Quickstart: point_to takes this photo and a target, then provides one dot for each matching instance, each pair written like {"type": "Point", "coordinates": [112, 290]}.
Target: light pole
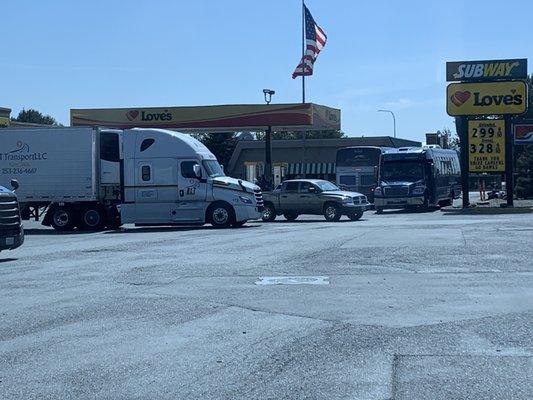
{"type": "Point", "coordinates": [268, 93]}
{"type": "Point", "coordinates": [393, 119]}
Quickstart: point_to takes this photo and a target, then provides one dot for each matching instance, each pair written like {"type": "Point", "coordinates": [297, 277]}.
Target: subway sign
{"type": "Point", "coordinates": [487, 98]}
{"type": "Point", "coordinates": [490, 70]}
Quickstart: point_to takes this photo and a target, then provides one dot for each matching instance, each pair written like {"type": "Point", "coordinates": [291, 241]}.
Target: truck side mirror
{"type": "Point", "coordinates": [197, 171]}
{"type": "Point", "coordinates": [14, 184]}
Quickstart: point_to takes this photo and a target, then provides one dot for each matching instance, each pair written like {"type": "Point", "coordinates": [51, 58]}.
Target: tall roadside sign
{"type": "Point", "coordinates": [484, 101]}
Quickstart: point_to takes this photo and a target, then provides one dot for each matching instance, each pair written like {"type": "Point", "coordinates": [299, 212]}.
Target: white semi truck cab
{"type": "Point", "coordinates": [93, 178]}
{"type": "Point", "coordinates": [172, 178]}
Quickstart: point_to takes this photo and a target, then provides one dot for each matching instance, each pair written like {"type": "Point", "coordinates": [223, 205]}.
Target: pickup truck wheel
{"type": "Point", "coordinates": [62, 219]}
{"type": "Point", "coordinates": [332, 212]}
{"type": "Point", "coordinates": [269, 213]}
{"type": "Point", "coordinates": [290, 216]}
{"type": "Point", "coordinates": [92, 219]}
{"type": "Point", "coordinates": [221, 215]}
{"type": "Point", "coordinates": [355, 215]}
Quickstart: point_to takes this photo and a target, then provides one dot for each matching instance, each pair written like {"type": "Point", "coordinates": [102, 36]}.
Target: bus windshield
{"type": "Point", "coordinates": [358, 156]}
{"type": "Point", "coordinates": [409, 171]}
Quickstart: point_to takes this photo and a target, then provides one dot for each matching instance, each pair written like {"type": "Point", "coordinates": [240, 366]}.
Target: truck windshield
{"type": "Point", "coordinates": [409, 171]}
{"type": "Point", "coordinates": [326, 186]}
{"type": "Point", "coordinates": [213, 168]}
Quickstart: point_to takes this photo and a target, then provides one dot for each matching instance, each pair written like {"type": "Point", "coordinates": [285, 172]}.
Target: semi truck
{"type": "Point", "coordinates": [11, 231]}
{"type": "Point", "coordinates": [93, 178]}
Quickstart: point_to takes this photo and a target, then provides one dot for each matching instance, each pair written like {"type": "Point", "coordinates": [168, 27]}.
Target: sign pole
{"type": "Point", "coordinates": [303, 51]}
{"type": "Point", "coordinates": [509, 162]}
{"type": "Point", "coordinates": [461, 125]}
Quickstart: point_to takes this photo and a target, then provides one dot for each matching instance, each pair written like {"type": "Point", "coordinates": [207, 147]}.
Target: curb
{"type": "Point", "coordinates": [487, 210]}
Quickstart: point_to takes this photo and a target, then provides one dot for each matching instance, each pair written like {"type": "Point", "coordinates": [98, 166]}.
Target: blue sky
{"type": "Point", "coordinates": [58, 55]}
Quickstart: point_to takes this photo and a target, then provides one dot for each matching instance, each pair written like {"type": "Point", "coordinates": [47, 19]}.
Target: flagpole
{"type": "Point", "coordinates": [303, 51]}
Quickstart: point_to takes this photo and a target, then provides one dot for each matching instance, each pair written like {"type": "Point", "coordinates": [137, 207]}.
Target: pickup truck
{"type": "Point", "coordinates": [11, 231]}
{"type": "Point", "coordinates": [312, 196]}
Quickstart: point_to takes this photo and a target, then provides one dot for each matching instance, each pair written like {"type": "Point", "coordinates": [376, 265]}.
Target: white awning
{"type": "Point", "coordinates": [311, 168]}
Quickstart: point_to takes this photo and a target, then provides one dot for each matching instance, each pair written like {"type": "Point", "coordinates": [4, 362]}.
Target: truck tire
{"type": "Point", "coordinates": [92, 218]}
{"type": "Point", "coordinates": [62, 218]}
{"type": "Point", "coordinates": [269, 213]}
{"type": "Point", "coordinates": [332, 212]}
{"type": "Point", "coordinates": [220, 215]}
{"type": "Point", "coordinates": [356, 215]}
{"type": "Point", "coordinates": [291, 216]}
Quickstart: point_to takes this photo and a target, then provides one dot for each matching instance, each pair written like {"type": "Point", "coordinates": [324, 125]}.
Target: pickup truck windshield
{"type": "Point", "coordinates": [213, 168]}
{"type": "Point", "coordinates": [326, 186]}
{"type": "Point", "coordinates": [409, 171]}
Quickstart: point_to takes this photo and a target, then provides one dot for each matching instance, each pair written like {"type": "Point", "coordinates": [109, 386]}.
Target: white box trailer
{"type": "Point", "coordinates": [79, 176]}
{"type": "Point", "coordinates": [56, 166]}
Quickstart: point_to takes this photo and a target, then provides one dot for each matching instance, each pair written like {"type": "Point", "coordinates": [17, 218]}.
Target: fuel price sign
{"type": "Point", "coordinates": [486, 145]}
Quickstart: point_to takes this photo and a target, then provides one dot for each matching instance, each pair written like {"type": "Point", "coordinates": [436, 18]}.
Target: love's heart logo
{"type": "Point", "coordinates": [459, 98]}
{"type": "Point", "coordinates": [513, 91]}
{"type": "Point", "coordinates": [132, 114]}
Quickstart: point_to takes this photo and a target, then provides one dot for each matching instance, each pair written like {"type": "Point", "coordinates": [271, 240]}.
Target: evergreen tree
{"type": "Point", "coordinates": [35, 117]}
{"type": "Point", "coordinates": [221, 145]}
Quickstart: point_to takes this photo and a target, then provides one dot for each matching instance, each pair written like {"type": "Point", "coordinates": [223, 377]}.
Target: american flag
{"type": "Point", "coordinates": [315, 39]}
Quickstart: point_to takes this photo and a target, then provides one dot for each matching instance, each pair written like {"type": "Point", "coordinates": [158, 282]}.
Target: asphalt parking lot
{"type": "Point", "coordinates": [395, 306]}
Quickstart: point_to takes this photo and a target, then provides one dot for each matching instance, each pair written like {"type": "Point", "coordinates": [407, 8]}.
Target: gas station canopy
{"type": "Point", "coordinates": [218, 118]}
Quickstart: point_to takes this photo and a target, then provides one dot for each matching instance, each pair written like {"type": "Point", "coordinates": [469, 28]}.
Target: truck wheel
{"type": "Point", "coordinates": [332, 212]}
{"type": "Point", "coordinates": [62, 219]}
{"type": "Point", "coordinates": [269, 213]}
{"type": "Point", "coordinates": [290, 216]}
{"type": "Point", "coordinates": [92, 219]}
{"type": "Point", "coordinates": [356, 215]}
{"type": "Point", "coordinates": [221, 215]}
{"type": "Point", "coordinates": [379, 210]}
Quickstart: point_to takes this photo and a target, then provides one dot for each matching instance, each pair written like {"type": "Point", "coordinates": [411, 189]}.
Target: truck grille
{"type": "Point", "coordinates": [397, 191]}
{"type": "Point", "coordinates": [9, 212]}
{"type": "Point", "coordinates": [359, 199]}
{"type": "Point", "coordinates": [259, 199]}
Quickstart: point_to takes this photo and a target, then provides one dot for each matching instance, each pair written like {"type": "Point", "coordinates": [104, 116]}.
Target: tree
{"type": "Point", "coordinates": [221, 145]}
{"type": "Point", "coordinates": [35, 117]}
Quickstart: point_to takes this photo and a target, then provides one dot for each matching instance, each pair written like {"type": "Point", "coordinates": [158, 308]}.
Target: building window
{"type": "Point", "coordinates": [251, 172]}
